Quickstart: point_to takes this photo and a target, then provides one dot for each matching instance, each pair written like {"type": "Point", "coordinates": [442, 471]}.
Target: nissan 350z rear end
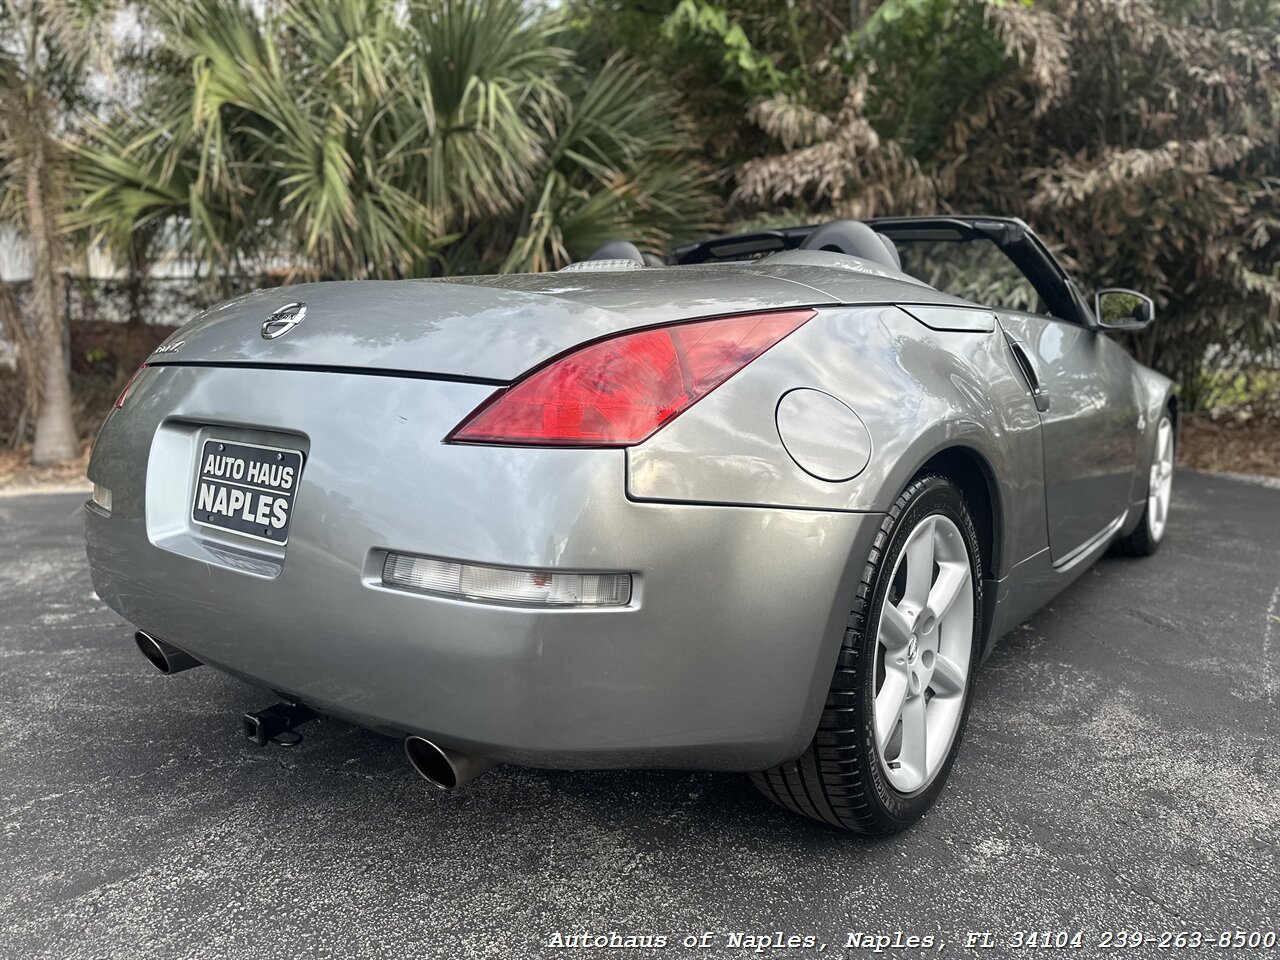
{"type": "Point", "coordinates": [407, 505]}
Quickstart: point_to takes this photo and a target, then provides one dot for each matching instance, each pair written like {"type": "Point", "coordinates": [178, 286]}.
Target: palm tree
{"type": "Point", "coordinates": [615, 166]}
{"type": "Point", "coordinates": [42, 58]}
{"type": "Point", "coordinates": [386, 139]}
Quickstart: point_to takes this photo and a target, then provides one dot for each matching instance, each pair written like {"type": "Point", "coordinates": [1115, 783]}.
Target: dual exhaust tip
{"type": "Point", "coordinates": [439, 766]}
{"type": "Point", "coordinates": [165, 657]}
{"type": "Point", "coordinates": [442, 767]}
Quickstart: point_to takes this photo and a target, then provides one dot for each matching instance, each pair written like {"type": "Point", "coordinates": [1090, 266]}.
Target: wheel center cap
{"type": "Point", "coordinates": [913, 649]}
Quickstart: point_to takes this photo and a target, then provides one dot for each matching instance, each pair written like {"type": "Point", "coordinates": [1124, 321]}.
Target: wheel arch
{"type": "Point", "coordinates": [969, 470]}
{"type": "Point", "coordinates": [1155, 396]}
{"type": "Point", "coordinates": [973, 474]}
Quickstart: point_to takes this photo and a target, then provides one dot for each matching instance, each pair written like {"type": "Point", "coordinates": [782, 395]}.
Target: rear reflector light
{"type": "Point", "coordinates": [467, 581]}
{"type": "Point", "coordinates": [618, 392]}
{"type": "Point", "coordinates": [124, 394]}
{"type": "Point", "coordinates": [102, 497]}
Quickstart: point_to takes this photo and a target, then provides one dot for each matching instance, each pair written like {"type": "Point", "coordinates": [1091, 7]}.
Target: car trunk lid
{"type": "Point", "coordinates": [483, 328]}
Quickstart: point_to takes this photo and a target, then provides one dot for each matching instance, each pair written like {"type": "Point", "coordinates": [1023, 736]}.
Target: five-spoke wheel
{"type": "Point", "coordinates": [922, 660]}
{"type": "Point", "coordinates": [893, 718]}
{"type": "Point", "coordinates": [1160, 485]}
{"type": "Point", "coordinates": [1146, 537]}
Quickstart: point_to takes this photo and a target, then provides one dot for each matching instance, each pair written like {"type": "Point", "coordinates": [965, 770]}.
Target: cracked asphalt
{"type": "Point", "coordinates": [1121, 771]}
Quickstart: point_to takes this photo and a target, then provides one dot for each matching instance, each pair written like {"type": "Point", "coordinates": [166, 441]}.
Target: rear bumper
{"type": "Point", "coordinates": [721, 661]}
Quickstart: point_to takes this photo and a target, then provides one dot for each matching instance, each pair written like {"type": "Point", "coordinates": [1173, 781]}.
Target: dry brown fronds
{"type": "Point", "coordinates": [853, 173]}
{"type": "Point", "coordinates": [1037, 42]}
{"type": "Point", "coordinates": [792, 124]}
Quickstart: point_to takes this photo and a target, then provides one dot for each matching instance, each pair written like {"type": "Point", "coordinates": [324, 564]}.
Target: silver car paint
{"type": "Point", "coordinates": [744, 562]}
{"type": "Point", "coordinates": [917, 390]}
{"type": "Point", "coordinates": [1091, 428]}
{"type": "Point", "coordinates": [555, 687]}
{"type": "Point", "coordinates": [496, 328]}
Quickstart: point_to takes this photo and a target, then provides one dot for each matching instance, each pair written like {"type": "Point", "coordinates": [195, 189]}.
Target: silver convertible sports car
{"type": "Point", "coordinates": [763, 508]}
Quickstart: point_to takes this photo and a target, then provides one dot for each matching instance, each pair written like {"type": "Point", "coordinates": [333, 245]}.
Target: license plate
{"type": "Point", "coordinates": [247, 489]}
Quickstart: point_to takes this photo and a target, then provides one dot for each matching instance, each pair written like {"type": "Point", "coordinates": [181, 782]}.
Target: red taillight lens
{"type": "Point", "coordinates": [124, 394]}
{"type": "Point", "coordinates": [618, 392]}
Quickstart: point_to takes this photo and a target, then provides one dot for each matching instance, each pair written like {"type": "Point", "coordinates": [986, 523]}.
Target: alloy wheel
{"type": "Point", "coordinates": [1160, 487]}
{"type": "Point", "coordinates": [925, 644]}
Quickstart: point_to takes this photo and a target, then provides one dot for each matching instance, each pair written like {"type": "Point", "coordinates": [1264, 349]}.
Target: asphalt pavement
{"type": "Point", "coordinates": [1120, 772]}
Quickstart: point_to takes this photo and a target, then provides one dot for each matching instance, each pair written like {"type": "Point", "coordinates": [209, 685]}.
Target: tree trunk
{"type": "Point", "coordinates": [135, 348]}
{"type": "Point", "coordinates": [56, 440]}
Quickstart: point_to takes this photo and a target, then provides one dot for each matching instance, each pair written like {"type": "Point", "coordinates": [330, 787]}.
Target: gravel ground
{"type": "Point", "coordinates": [1120, 772]}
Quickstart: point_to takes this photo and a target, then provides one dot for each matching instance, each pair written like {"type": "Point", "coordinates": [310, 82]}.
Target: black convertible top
{"type": "Point", "coordinates": [1013, 236]}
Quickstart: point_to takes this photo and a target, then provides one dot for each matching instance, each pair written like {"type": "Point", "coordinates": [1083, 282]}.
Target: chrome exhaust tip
{"type": "Point", "coordinates": [165, 657]}
{"type": "Point", "coordinates": [442, 767]}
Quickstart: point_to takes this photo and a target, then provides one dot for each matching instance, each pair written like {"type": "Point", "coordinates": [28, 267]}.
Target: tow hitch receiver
{"type": "Point", "coordinates": [269, 725]}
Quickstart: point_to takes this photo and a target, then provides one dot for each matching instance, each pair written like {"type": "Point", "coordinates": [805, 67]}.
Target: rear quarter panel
{"type": "Point", "coordinates": [918, 390]}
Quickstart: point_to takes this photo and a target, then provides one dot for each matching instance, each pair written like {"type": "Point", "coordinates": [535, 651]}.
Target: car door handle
{"type": "Point", "coordinates": [1039, 393]}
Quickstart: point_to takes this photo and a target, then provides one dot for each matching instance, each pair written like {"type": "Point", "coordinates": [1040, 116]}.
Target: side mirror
{"type": "Point", "coordinates": [1123, 309]}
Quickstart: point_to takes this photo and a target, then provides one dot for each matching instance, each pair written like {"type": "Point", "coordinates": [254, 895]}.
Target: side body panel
{"type": "Point", "coordinates": [1091, 427]}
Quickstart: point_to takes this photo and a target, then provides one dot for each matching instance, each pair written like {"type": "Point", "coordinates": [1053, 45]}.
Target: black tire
{"type": "Point", "coordinates": [1143, 542]}
{"type": "Point", "coordinates": [1140, 543]}
{"type": "Point", "coordinates": [838, 780]}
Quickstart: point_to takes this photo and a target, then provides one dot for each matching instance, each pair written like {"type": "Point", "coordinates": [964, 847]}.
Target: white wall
{"type": "Point", "coordinates": [15, 262]}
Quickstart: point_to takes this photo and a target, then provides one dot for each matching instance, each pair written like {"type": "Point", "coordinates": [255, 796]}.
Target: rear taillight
{"type": "Point", "coordinates": [618, 392]}
{"type": "Point", "coordinates": [124, 394]}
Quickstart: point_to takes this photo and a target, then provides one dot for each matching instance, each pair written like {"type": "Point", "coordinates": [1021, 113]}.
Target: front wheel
{"type": "Point", "coordinates": [891, 726]}
{"type": "Point", "coordinates": [1149, 534]}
